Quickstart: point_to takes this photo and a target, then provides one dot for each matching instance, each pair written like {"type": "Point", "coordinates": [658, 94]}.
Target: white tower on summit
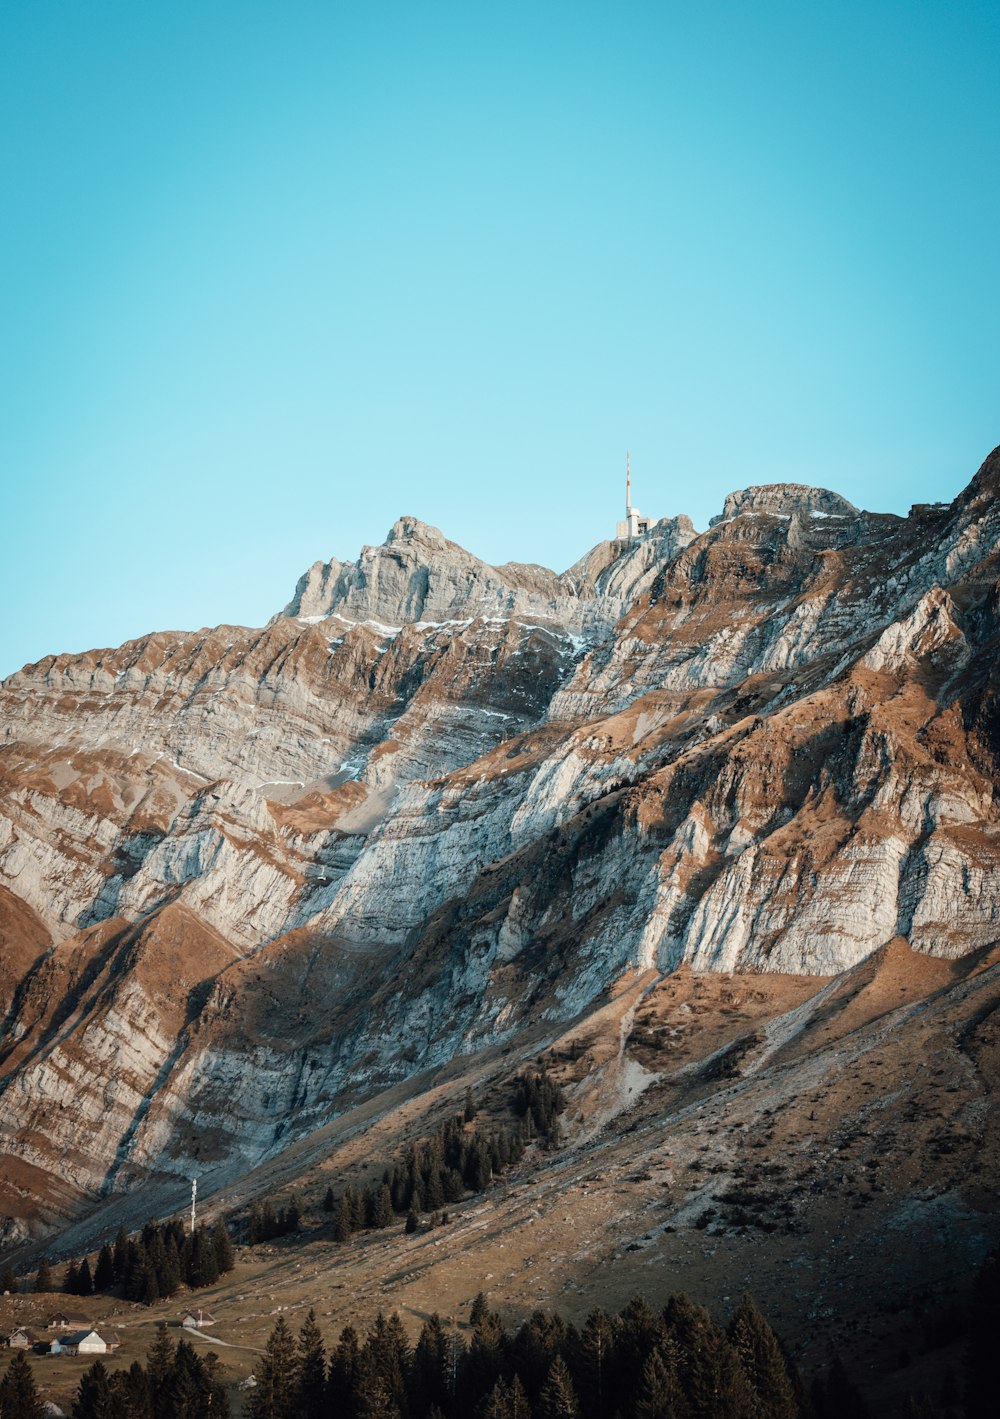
{"type": "Point", "coordinates": [635, 524]}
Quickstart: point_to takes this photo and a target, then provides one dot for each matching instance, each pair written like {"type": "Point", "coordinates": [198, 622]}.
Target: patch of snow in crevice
{"type": "Point", "coordinates": [193, 772]}
{"type": "Point", "coordinates": [379, 626]}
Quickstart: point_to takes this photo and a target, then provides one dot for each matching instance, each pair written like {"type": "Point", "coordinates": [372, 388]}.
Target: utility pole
{"type": "Point", "coordinates": [194, 1194]}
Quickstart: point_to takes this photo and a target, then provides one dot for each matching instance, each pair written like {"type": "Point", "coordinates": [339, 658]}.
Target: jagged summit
{"type": "Point", "coordinates": [418, 575]}
{"type": "Point", "coordinates": [411, 529]}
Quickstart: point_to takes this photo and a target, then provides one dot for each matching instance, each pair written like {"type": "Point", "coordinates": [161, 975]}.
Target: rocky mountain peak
{"type": "Point", "coordinates": [785, 500]}
{"type": "Point", "coordinates": [417, 575]}
{"type": "Point", "coordinates": [411, 530]}
{"type": "Point", "coordinates": [984, 490]}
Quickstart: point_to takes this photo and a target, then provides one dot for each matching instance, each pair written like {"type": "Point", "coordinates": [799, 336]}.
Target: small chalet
{"type": "Point", "coordinates": [79, 1342]}
{"type": "Point", "coordinates": [21, 1339]}
{"type": "Point", "coordinates": [66, 1320]}
{"type": "Point", "coordinates": [195, 1320]}
{"type": "Point", "coordinates": [111, 1339]}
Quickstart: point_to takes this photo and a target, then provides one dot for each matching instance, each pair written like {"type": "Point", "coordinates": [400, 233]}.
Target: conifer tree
{"type": "Point", "coordinates": [658, 1396]}
{"type": "Point", "coordinates": [342, 1378]}
{"type": "Point", "coordinates": [594, 1361]}
{"type": "Point", "coordinates": [496, 1405]}
{"type": "Point", "coordinates": [484, 1357]}
{"type": "Point", "coordinates": [558, 1397]}
{"type": "Point", "coordinates": [94, 1399]}
{"type": "Point", "coordinates": [104, 1272]}
{"type": "Point", "coordinates": [476, 1171]}
{"type": "Point", "coordinates": [428, 1379]}
{"type": "Point", "coordinates": [505, 1401]}
{"type": "Point", "coordinates": [310, 1373]}
{"type": "Point", "coordinates": [137, 1278]}
{"type": "Point", "coordinates": [203, 1269]}
{"type": "Point", "coordinates": [71, 1280]}
{"type": "Point", "coordinates": [711, 1378]}
{"type": "Point", "coordinates": [18, 1394]}
{"type": "Point", "coordinates": [469, 1108]}
{"type": "Point", "coordinates": [519, 1408]}
{"type": "Point", "coordinates": [274, 1394]}
{"type": "Point", "coordinates": [452, 1186]}
{"type": "Point", "coordinates": [385, 1358]}
{"type": "Point", "coordinates": [358, 1208]}
{"type": "Point", "coordinates": [535, 1346]}
{"type": "Point", "coordinates": [225, 1258]}
{"type": "Point", "coordinates": [8, 1279]}
{"type": "Point", "coordinates": [170, 1272]}
{"type": "Point", "coordinates": [193, 1388]}
{"type": "Point", "coordinates": [343, 1221]}
{"type": "Point", "coordinates": [638, 1329]}
{"type": "Point", "coordinates": [382, 1207]}
{"type": "Point", "coordinates": [43, 1280]}
{"type": "Point", "coordinates": [85, 1284]}
{"type": "Point", "coordinates": [120, 1252]}
{"type": "Point", "coordinates": [134, 1390]}
{"type": "Point", "coordinates": [132, 1263]}
{"type": "Point", "coordinates": [763, 1363]}
{"type": "Point", "coordinates": [159, 1365]}
{"type": "Point", "coordinates": [215, 1403]}
{"type": "Point", "coordinates": [374, 1399]}
{"type": "Point", "coordinates": [434, 1195]}
{"type": "Point", "coordinates": [412, 1222]}
{"type": "Point", "coordinates": [150, 1286]}
{"type": "Point", "coordinates": [328, 1200]}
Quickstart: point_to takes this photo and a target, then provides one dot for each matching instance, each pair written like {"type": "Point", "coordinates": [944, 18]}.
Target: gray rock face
{"type": "Point", "coordinates": [418, 576]}
{"type": "Point", "coordinates": [785, 500]}
{"type": "Point", "coordinates": [248, 876]}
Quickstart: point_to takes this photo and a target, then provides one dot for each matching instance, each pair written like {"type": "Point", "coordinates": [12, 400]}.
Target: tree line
{"type": "Point", "coordinates": [151, 1265]}
{"type": "Point", "coordinates": [265, 1224]}
{"type": "Point", "coordinates": [454, 1161]}
{"type": "Point", "coordinates": [640, 1364]}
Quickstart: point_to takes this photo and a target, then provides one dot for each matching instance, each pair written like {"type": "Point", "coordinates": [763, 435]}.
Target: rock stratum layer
{"type": "Point", "coordinates": [251, 877]}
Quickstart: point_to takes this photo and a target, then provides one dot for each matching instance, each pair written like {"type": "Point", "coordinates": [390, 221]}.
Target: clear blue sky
{"type": "Point", "coordinates": [276, 273]}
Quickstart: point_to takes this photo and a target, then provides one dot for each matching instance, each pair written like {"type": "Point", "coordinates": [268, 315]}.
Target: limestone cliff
{"type": "Point", "coordinates": [248, 876]}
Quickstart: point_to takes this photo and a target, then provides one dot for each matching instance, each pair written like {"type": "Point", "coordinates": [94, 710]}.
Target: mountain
{"type": "Point", "coordinates": [252, 879]}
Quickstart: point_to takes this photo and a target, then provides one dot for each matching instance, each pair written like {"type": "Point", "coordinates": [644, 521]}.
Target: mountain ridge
{"type": "Point", "coordinates": [771, 746]}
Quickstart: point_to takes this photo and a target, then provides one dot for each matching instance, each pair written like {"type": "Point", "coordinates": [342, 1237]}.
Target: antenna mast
{"type": "Point", "coordinates": [194, 1194]}
{"type": "Point", "coordinates": [628, 483]}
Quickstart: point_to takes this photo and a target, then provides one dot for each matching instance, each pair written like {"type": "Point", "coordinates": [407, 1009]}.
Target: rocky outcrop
{"type": "Point", "coordinates": [418, 576]}
{"type": "Point", "coordinates": [249, 876]}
